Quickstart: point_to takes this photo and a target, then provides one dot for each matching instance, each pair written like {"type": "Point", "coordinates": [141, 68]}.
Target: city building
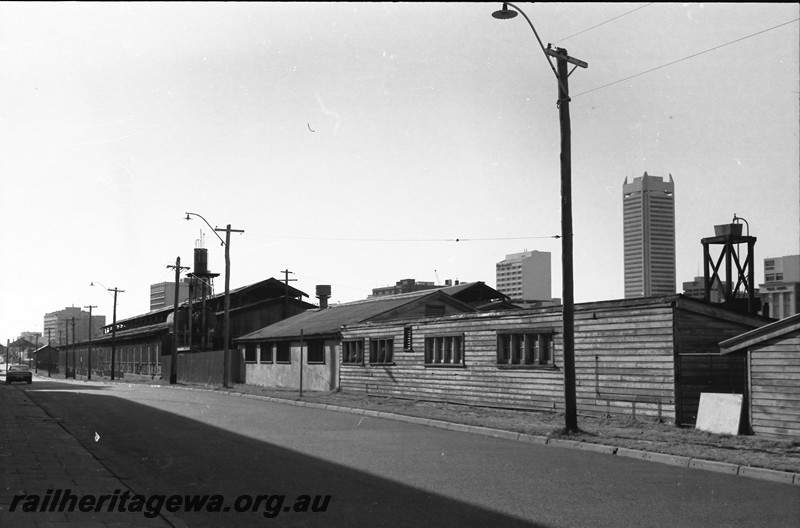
{"type": "Point", "coordinates": [649, 236]}
{"type": "Point", "coordinates": [781, 284]}
{"type": "Point", "coordinates": [403, 286]}
{"type": "Point", "coordinates": [70, 325]}
{"type": "Point", "coordinates": [162, 295]}
{"type": "Point", "coordinates": [696, 289]}
{"type": "Point", "coordinates": [525, 277]}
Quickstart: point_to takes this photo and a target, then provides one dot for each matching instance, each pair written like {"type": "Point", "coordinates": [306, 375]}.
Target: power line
{"type": "Point", "coordinates": [334, 239]}
{"type": "Point", "coordinates": [686, 58]}
{"type": "Point", "coordinates": [603, 23]}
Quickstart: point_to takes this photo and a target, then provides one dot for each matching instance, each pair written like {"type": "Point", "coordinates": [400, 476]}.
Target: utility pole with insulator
{"type": "Point", "coordinates": [173, 371]}
{"type": "Point", "coordinates": [286, 281]}
{"type": "Point", "coordinates": [89, 358]}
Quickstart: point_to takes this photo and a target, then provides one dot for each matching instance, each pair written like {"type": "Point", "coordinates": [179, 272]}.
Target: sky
{"type": "Point", "coordinates": [358, 144]}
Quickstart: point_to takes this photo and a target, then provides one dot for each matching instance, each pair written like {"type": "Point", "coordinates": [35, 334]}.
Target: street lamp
{"type": "Point", "coordinates": [227, 334]}
{"type": "Point", "coordinates": [113, 325]}
{"type": "Point", "coordinates": [568, 309]}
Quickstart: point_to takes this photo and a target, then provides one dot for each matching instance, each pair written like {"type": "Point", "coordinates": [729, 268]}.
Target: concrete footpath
{"type": "Point", "coordinates": [38, 458]}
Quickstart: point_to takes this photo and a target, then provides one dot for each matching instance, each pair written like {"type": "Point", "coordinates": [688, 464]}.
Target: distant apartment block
{"type": "Point", "coordinates": [60, 330]}
{"type": "Point", "coordinates": [162, 295]}
{"type": "Point", "coordinates": [781, 285]}
{"type": "Point", "coordinates": [525, 277]}
{"type": "Point", "coordinates": [649, 236]}
{"type": "Point", "coordinates": [404, 286]}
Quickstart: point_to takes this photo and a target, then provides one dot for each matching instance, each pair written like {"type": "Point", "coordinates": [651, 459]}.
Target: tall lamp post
{"type": "Point", "coordinates": [227, 336]}
{"type": "Point", "coordinates": [562, 76]}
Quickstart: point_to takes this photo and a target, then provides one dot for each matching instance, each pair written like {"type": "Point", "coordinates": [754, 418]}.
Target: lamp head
{"type": "Point", "coordinates": [504, 13]}
{"type": "Point", "coordinates": [187, 216]}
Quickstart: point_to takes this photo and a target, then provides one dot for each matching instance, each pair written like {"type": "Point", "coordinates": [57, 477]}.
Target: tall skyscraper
{"type": "Point", "coordinates": [525, 277]}
{"type": "Point", "coordinates": [649, 236]}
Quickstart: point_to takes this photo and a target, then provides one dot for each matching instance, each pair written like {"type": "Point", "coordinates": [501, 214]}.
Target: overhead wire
{"type": "Point", "coordinates": [603, 23]}
{"type": "Point", "coordinates": [339, 239]}
{"type": "Point", "coordinates": [687, 57]}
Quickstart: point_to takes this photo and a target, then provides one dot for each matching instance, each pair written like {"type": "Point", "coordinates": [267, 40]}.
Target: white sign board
{"type": "Point", "coordinates": [719, 413]}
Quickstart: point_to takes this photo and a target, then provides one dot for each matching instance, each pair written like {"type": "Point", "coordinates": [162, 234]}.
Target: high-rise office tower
{"type": "Point", "coordinates": [649, 236]}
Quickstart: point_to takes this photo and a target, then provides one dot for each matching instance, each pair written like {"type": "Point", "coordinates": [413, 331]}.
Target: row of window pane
{"type": "Point", "coordinates": [523, 349]}
{"type": "Point", "coordinates": [281, 351]}
{"type": "Point", "coordinates": [444, 350]}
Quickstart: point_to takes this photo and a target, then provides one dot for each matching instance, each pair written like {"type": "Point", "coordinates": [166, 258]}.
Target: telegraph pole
{"type": "Point", "coordinates": [66, 349]}
{"type": "Point", "coordinates": [226, 352]}
{"type": "Point", "coordinates": [302, 345]}
{"type": "Point", "coordinates": [173, 371]}
{"type": "Point", "coordinates": [74, 351]}
{"type": "Point", "coordinates": [49, 355]}
{"type": "Point", "coordinates": [114, 331]}
{"type": "Point", "coordinates": [286, 282]}
{"type": "Point", "coordinates": [89, 359]}
{"type": "Point", "coordinates": [570, 399]}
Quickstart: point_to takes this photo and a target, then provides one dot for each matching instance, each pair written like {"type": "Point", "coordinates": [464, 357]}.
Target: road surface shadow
{"type": "Point", "coordinates": [160, 453]}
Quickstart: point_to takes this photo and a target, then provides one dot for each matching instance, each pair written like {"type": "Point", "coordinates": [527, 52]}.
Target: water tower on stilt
{"type": "Point", "coordinates": [738, 282]}
{"type": "Point", "coordinates": [200, 289]}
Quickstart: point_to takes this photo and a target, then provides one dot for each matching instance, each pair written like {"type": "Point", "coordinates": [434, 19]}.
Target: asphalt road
{"type": "Point", "coordinates": [380, 472]}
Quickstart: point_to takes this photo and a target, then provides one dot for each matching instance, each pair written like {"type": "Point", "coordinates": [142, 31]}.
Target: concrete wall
{"type": "Point", "coordinates": [316, 377]}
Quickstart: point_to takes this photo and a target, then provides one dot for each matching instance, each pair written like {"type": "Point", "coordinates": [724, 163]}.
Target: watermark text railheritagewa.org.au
{"type": "Point", "coordinates": [64, 501]}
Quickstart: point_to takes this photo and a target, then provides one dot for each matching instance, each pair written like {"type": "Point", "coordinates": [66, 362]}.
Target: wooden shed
{"type": "Point", "coordinates": [771, 354]}
{"type": "Point", "coordinates": [303, 352]}
{"type": "Point", "coordinates": [646, 357]}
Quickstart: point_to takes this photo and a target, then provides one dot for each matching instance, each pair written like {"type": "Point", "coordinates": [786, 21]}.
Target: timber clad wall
{"type": "Point", "coordinates": [646, 358]}
{"type": "Point", "coordinates": [624, 359]}
{"type": "Point", "coordinates": [775, 387]}
{"type": "Point", "coordinates": [478, 382]}
{"type": "Point", "coordinates": [700, 366]}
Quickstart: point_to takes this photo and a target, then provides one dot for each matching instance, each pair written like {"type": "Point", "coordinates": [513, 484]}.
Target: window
{"type": "Point", "coordinates": [265, 353]}
{"type": "Point", "coordinates": [769, 264]}
{"type": "Point", "coordinates": [283, 352]}
{"type": "Point", "coordinates": [353, 352]}
{"type": "Point", "coordinates": [249, 352]}
{"type": "Point", "coordinates": [525, 349]}
{"type": "Point", "coordinates": [444, 350]}
{"type": "Point", "coordinates": [381, 351]}
{"type": "Point", "coordinates": [316, 351]}
{"type": "Point", "coordinates": [434, 310]}
{"type": "Point", "coordinates": [407, 336]}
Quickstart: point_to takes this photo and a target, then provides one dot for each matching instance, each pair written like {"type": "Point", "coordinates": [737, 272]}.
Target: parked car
{"type": "Point", "coordinates": [19, 373]}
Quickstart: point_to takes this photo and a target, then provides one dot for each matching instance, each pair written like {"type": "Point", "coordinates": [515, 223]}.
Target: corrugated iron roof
{"type": "Point", "coordinates": [328, 321]}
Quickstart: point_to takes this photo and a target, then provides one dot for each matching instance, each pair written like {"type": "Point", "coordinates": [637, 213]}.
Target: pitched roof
{"type": "Point", "coordinates": [329, 321]}
{"type": "Point", "coordinates": [761, 335]}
